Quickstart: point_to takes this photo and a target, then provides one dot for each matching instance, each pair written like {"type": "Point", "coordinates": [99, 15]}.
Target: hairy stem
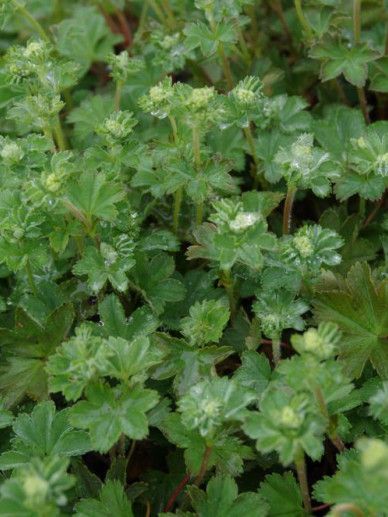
{"type": "Point", "coordinates": [357, 38]}
{"type": "Point", "coordinates": [178, 197]}
{"type": "Point", "coordinates": [363, 104]}
{"type": "Point", "coordinates": [244, 47]}
{"type": "Point", "coordinates": [251, 143]}
{"type": "Point", "coordinates": [300, 465]}
{"type": "Point", "coordinates": [125, 29]}
{"type": "Point", "coordinates": [334, 438]}
{"type": "Point", "coordinates": [356, 21]}
{"type": "Point", "coordinates": [196, 148]}
{"type": "Point", "coordinates": [203, 469]}
{"type": "Point", "coordinates": [174, 128]}
{"type": "Point", "coordinates": [30, 277]}
{"type": "Point", "coordinates": [362, 208]}
{"type": "Point", "coordinates": [169, 13]}
{"type": "Point", "coordinates": [28, 16]}
{"type": "Point", "coordinates": [160, 14]}
{"type": "Point", "coordinates": [143, 18]}
{"type": "Point", "coordinates": [277, 7]}
{"type": "Point", "coordinates": [303, 20]}
{"type": "Point", "coordinates": [225, 66]}
{"type": "Point", "coordinates": [374, 212]}
{"type": "Point", "coordinates": [287, 210]}
{"type": "Point", "coordinates": [227, 282]}
{"type": "Point", "coordinates": [197, 164]}
{"type": "Point", "coordinates": [118, 92]}
{"type": "Point", "coordinates": [276, 351]}
{"type": "Point", "coordinates": [177, 491]}
{"type": "Point", "coordinates": [60, 135]}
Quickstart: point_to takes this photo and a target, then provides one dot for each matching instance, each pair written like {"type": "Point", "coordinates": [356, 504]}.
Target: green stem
{"type": "Point", "coordinates": [118, 92]}
{"type": "Point", "coordinates": [199, 213]}
{"type": "Point", "coordinates": [362, 208]}
{"type": "Point", "coordinates": [300, 465]}
{"type": "Point", "coordinates": [244, 47]}
{"type": "Point", "coordinates": [252, 149]}
{"type": "Point", "coordinates": [251, 11]}
{"type": "Point", "coordinates": [143, 18]}
{"type": "Point", "coordinates": [334, 438]}
{"type": "Point", "coordinates": [223, 60]}
{"type": "Point", "coordinates": [357, 38]}
{"type": "Point", "coordinates": [356, 21]}
{"type": "Point", "coordinates": [277, 7]}
{"type": "Point", "coordinates": [287, 210]}
{"type": "Point", "coordinates": [178, 197]}
{"type": "Point", "coordinates": [303, 20]}
{"type": "Point", "coordinates": [204, 464]}
{"type": "Point", "coordinates": [363, 104]}
{"type": "Point", "coordinates": [131, 451]}
{"type": "Point", "coordinates": [160, 14]}
{"type": "Point", "coordinates": [28, 16]}
{"type": "Point", "coordinates": [174, 128]}
{"type": "Point", "coordinates": [386, 40]}
{"type": "Point", "coordinates": [49, 135]}
{"type": "Point", "coordinates": [30, 276]}
{"type": "Point", "coordinates": [227, 282]}
{"type": "Point", "coordinates": [196, 148]}
{"type": "Point", "coordinates": [276, 351]}
{"type": "Point", "coordinates": [60, 135]}
{"type": "Point", "coordinates": [225, 66]}
{"type": "Point", "coordinates": [169, 13]}
{"type": "Point", "coordinates": [197, 163]}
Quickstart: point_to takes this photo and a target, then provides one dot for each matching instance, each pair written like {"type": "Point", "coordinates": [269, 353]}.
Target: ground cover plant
{"type": "Point", "coordinates": [193, 258]}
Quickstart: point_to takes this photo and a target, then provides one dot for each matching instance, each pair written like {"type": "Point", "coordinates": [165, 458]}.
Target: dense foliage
{"type": "Point", "coordinates": [193, 258]}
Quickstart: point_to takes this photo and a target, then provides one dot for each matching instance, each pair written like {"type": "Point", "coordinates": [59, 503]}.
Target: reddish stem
{"type": "Point", "coordinates": [177, 491]}
{"type": "Point", "coordinates": [110, 22]}
{"type": "Point", "coordinates": [125, 29]}
{"type": "Point", "coordinates": [269, 342]}
{"type": "Point", "coordinates": [321, 507]}
{"type": "Point", "coordinates": [373, 214]}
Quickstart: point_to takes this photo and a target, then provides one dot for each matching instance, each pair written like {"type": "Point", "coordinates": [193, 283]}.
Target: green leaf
{"type": "Point", "coordinates": [221, 498]}
{"type": "Point", "coordinates": [228, 452]}
{"type": "Point", "coordinates": [27, 347]}
{"type": "Point", "coordinates": [152, 279]}
{"type": "Point", "coordinates": [112, 500]}
{"type": "Point", "coordinates": [129, 362]}
{"type": "Point", "coordinates": [283, 495]}
{"type": "Point", "coordinates": [6, 417]}
{"type": "Point", "coordinates": [212, 403]}
{"type": "Point", "coordinates": [141, 323]}
{"type": "Point", "coordinates": [38, 488]}
{"type": "Point", "coordinates": [379, 75]}
{"type": "Point", "coordinates": [102, 266]}
{"type": "Point", "coordinates": [277, 311]}
{"type": "Point", "coordinates": [350, 61]}
{"type": "Point", "coordinates": [76, 363]}
{"type": "Point", "coordinates": [357, 305]}
{"type": "Point", "coordinates": [108, 412]}
{"type": "Point", "coordinates": [200, 35]}
{"type": "Point", "coordinates": [286, 424]}
{"type": "Point", "coordinates": [94, 196]}
{"type": "Point", "coordinates": [206, 322]}
{"type": "Point", "coordinates": [85, 37]}
{"type": "Point", "coordinates": [44, 432]}
{"type": "Point", "coordinates": [360, 478]}
{"type": "Point", "coordinates": [254, 372]}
